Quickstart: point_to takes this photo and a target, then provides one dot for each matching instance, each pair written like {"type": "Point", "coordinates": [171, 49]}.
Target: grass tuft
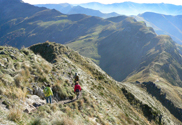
{"type": "Point", "coordinates": [64, 121]}
{"type": "Point", "coordinates": [15, 115]}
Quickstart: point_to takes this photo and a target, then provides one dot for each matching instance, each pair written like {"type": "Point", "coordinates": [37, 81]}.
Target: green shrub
{"type": "Point", "coordinates": [63, 92]}
{"type": "Point", "coordinates": [101, 77]}
{"type": "Point", "coordinates": [60, 91]}
{"type": "Point", "coordinates": [101, 93]}
{"type": "Point", "coordinates": [111, 120]}
{"type": "Point", "coordinates": [36, 121]}
{"type": "Point", "coordinates": [6, 103]}
{"type": "Point", "coordinates": [44, 108]}
{"type": "Point", "coordinates": [60, 106]}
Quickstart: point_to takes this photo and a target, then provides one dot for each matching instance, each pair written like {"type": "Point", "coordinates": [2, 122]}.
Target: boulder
{"type": "Point", "coordinates": [30, 91]}
{"type": "Point", "coordinates": [38, 91]}
{"type": "Point", "coordinates": [32, 102]}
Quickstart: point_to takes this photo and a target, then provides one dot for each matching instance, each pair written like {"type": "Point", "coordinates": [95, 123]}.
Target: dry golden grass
{"type": "Point", "coordinates": [54, 107]}
{"type": "Point", "coordinates": [46, 66]}
{"type": "Point", "coordinates": [16, 93]}
{"type": "Point", "coordinates": [27, 73]}
{"type": "Point", "coordinates": [66, 121]}
{"type": "Point", "coordinates": [15, 115]}
{"type": "Point", "coordinates": [18, 80]}
{"type": "Point", "coordinates": [81, 103]}
{"type": "Point", "coordinates": [2, 88]}
{"type": "Point", "coordinates": [39, 69]}
{"type": "Point", "coordinates": [21, 94]}
{"type": "Point", "coordinates": [124, 119]}
{"type": "Point", "coordinates": [59, 82]}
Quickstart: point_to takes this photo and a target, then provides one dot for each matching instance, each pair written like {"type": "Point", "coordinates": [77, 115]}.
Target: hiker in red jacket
{"type": "Point", "coordinates": [77, 89]}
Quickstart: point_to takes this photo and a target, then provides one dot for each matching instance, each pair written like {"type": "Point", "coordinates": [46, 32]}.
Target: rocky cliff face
{"type": "Point", "coordinates": [160, 95]}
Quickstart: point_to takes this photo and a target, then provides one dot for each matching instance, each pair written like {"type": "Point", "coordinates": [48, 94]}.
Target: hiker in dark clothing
{"type": "Point", "coordinates": [77, 89]}
{"type": "Point", "coordinates": [76, 77]}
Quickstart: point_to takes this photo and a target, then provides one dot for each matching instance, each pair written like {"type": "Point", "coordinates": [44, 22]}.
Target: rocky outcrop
{"type": "Point", "coordinates": [159, 95]}
{"type": "Point", "coordinates": [33, 101]}
{"type": "Point", "coordinates": [38, 91]}
{"type": "Point", "coordinates": [147, 111]}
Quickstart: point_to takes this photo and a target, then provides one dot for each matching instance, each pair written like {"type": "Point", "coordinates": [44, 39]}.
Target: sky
{"type": "Point", "coordinates": [176, 2]}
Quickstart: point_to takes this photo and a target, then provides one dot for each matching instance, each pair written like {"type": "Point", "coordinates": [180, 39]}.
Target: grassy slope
{"type": "Point", "coordinates": [102, 99]}
{"type": "Point", "coordinates": [164, 60]}
{"type": "Point", "coordinates": [164, 70]}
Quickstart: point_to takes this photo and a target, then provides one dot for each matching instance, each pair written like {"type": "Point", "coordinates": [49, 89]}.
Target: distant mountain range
{"type": "Point", "coordinates": [131, 8]}
{"type": "Point", "coordinates": [164, 24]}
{"type": "Point", "coordinates": [71, 9]}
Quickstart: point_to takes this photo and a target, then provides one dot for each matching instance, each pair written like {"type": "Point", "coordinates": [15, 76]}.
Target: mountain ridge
{"type": "Point", "coordinates": [101, 94]}
{"type": "Point", "coordinates": [167, 24]}
{"type": "Point", "coordinates": [131, 8]}
{"type": "Point", "coordinates": [72, 9]}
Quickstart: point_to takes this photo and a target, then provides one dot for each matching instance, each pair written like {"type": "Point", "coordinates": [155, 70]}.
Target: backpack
{"type": "Point", "coordinates": [47, 91]}
{"type": "Point", "coordinates": [77, 90]}
{"type": "Point", "coordinates": [76, 78]}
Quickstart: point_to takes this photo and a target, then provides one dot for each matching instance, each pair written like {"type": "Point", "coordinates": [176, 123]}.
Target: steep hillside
{"type": "Point", "coordinates": [122, 51]}
{"type": "Point", "coordinates": [12, 9]}
{"type": "Point", "coordinates": [165, 24]}
{"type": "Point", "coordinates": [72, 9]}
{"type": "Point", "coordinates": [103, 100]}
{"type": "Point", "coordinates": [162, 60]}
{"type": "Point", "coordinates": [162, 66]}
{"type": "Point", "coordinates": [43, 25]}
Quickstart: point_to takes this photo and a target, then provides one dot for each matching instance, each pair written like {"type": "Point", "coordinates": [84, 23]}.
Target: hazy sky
{"type": "Point", "coordinates": [177, 2]}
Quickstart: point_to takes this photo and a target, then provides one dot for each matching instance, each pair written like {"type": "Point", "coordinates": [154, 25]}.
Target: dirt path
{"type": "Point", "coordinates": [70, 101]}
{"type": "Point", "coordinates": [66, 101]}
